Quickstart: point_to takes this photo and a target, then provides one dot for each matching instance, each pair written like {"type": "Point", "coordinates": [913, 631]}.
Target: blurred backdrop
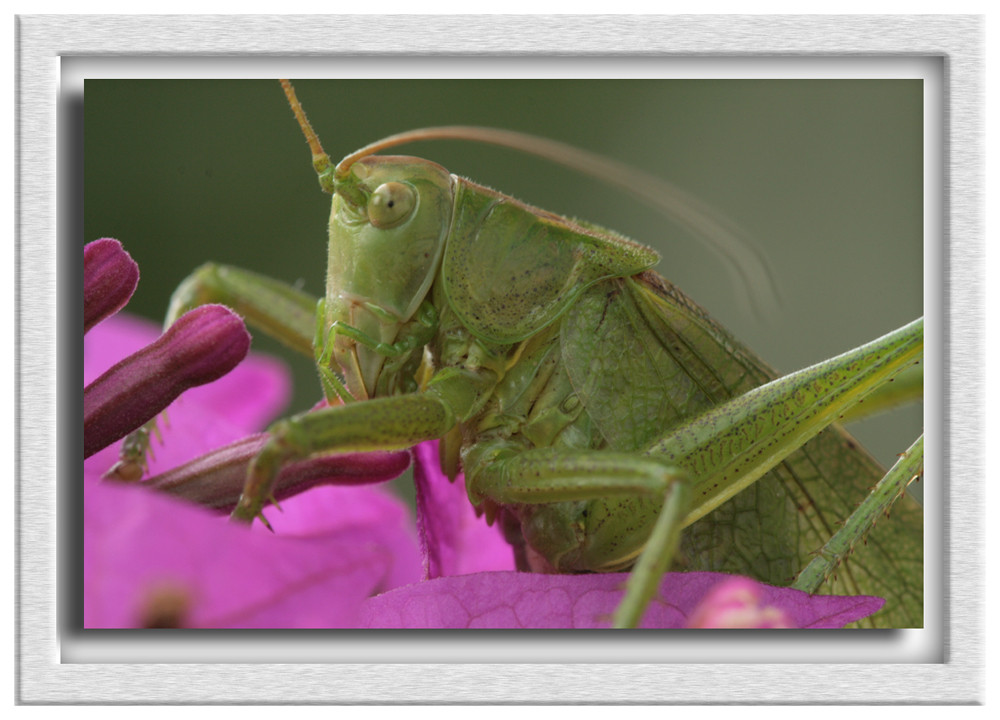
{"type": "Point", "coordinates": [826, 177]}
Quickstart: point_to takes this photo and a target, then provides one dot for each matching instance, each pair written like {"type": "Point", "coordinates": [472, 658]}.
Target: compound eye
{"type": "Point", "coordinates": [391, 204]}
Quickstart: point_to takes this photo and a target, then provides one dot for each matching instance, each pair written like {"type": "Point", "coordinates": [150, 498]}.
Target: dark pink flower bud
{"type": "Point", "coordinates": [109, 279]}
{"type": "Point", "coordinates": [202, 346]}
{"type": "Point", "coordinates": [216, 479]}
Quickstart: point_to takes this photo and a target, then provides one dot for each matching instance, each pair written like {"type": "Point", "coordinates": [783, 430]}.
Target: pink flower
{"type": "Point", "coordinates": [152, 560]}
{"type": "Point", "coordinates": [453, 539]}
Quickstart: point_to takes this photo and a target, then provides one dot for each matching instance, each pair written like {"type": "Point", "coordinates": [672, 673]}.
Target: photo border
{"type": "Point", "coordinates": [43, 676]}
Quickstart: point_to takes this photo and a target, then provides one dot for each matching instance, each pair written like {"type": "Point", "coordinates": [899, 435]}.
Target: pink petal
{"type": "Point", "coordinates": [454, 540]}
{"type": "Point", "coordinates": [736, 603]}
{"type": "Point", "coordinates": [366, 514]}
{"type": "Point", "coordinates": [143, 550]}
{"type": "Point", "coordinates": [525, 600]}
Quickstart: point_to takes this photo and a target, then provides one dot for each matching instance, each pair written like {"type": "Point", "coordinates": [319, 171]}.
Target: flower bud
{"type": "Point", "coordinates": [203, 345]}
{"type": "Point", "coordinates": [737, 603]}
{"type": "Point", "coordinates": [216, 479]}
{"type": "Point", "coordinates": [110, 276]}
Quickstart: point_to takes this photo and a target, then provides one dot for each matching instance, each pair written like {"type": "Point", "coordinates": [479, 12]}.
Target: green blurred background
{"type": "Point", "coordinates": [826, 176]}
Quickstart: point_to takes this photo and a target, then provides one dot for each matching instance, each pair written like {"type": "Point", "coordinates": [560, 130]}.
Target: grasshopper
{"type": "Point", "coordinates": [584, 396]}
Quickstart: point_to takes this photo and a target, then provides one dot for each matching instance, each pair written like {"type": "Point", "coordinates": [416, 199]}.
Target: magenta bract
{"type": "Point", "coordinates": [203, 417]}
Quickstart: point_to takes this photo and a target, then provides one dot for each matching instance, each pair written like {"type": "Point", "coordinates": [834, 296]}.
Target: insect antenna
{"type": "Point", "coordinates": [321, 161]}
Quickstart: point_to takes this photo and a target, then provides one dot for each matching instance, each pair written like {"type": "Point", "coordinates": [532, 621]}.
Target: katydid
{"type": "Point", "coordinates": [595, 410]}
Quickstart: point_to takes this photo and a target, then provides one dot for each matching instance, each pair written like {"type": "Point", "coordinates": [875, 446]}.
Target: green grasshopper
{"type": "Point", "coordinates": [595, 410]}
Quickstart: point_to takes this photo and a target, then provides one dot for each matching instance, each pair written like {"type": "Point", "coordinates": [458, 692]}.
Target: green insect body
{"type": "Point", "coordinates": [570, 383]}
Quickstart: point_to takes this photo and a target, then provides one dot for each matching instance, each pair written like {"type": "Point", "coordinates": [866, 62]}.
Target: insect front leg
{"type": "Point", "coordinates": [391, 423]}
{"type": "Point", "coordinates": [382, 424]}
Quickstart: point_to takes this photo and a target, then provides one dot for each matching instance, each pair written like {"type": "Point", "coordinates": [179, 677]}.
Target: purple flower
{"type": "Point", "coordinates": [343, 553]}
{"type": "Point", "coordinates": [153, 561]}
{"type": "Point", "coordinates": [124, 336]}
{"type": "Point", "coordinates": [203, 345]}
{"type": "Point", "coordinates": [527, 600]}
{"type": "Point", "coordinates": [145, 551]}
{"type": "Point", "coordinates": [453, 538]}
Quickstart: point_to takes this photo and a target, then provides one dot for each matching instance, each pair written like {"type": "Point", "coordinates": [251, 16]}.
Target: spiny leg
{"type": "Point", "coordinates": [390, 423]}
{"type": "Point", "coordinates": [876, 505]}
{"type": "Point", "coordinates": [381, 424]}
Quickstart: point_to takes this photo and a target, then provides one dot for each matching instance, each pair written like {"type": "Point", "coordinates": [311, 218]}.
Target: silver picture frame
{"type": "Point", "coordinates": [59, 664]}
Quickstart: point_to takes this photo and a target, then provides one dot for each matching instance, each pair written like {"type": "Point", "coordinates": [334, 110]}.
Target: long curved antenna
{"type": "Point", "coordinates": [745, 261]}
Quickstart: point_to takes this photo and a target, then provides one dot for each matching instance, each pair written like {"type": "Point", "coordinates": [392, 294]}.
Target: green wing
{"type": "Point", "coordinates": [642, 357]}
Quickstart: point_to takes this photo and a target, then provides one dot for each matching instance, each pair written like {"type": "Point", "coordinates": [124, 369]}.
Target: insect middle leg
{"type": "Point", "coordinates": [508, 475]}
